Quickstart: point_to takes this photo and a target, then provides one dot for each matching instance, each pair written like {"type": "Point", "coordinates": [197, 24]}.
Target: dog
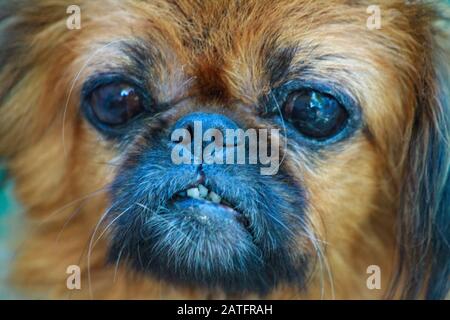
{"type": "Point", "coordinates": [358, 207]}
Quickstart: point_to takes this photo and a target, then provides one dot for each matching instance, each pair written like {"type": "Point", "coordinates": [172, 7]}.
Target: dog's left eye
{"type": "Point", "coordinates": [314, 114]}
{"type": "Point", "coordinates": [115, 104]}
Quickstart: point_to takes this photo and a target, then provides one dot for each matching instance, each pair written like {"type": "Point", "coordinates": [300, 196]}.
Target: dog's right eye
{"type": "Point", "coordinates": [115, 104]}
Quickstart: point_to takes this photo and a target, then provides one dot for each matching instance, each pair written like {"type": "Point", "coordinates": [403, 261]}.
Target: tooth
{"type": "Point", "coordinates": [203, 191]}
{"type": "Point", "coordinates": [193, 193]}
{"type": "Point", "coordinates": [214, 197]}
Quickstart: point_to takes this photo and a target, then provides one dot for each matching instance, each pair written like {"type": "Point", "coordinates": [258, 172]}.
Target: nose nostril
{"type": "Point", "coordinates": [199, 123]}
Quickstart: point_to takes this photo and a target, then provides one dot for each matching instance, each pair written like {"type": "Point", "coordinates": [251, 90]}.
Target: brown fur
{"type": "Point", "coordinates": [216, 51]}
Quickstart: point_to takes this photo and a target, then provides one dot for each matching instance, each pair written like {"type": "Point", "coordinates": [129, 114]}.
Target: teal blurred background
{"type": "Point", "coordinates": [7, 201]}
{"type": "Point", "coordinates": [8, 205]}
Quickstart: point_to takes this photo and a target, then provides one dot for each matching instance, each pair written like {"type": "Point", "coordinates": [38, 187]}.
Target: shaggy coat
{"type": "Point", "coordinates": [381, 197]}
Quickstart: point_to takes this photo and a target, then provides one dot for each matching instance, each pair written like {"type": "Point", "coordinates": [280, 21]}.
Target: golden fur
{"type": "Point", "coordinates": [216, 50]}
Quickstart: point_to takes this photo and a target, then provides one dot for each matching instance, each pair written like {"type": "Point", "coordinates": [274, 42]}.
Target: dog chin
{"type": "Point", "coordinates": [214, 227]}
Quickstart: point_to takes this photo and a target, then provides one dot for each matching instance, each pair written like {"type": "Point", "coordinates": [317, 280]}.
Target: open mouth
{"type": "Point", "coordinates": [207, 228]}
{"type": "Point", "coordinates": [201, 196]}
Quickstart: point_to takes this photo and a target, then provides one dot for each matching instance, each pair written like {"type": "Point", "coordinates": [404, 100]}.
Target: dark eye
{"type": "Point", "coordinates": [314, 114]}
{"type": "Point", "coordinates": [115, 104]}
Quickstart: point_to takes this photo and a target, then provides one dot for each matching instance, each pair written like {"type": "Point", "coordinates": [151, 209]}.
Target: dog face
{"type": "Point", "coordinates": [87, 123]}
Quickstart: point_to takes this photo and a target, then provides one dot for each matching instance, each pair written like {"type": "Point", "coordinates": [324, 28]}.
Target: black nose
{"type": "Point", "coordinates": [207, 121]}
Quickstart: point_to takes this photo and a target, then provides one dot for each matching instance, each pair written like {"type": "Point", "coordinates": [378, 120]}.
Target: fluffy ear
{"type": "Point", "coordinates": [424, 226]}
{"type": "Point", "coordinates": [22, 54]}
{"type": "Point", "coordinates": [12, 73]}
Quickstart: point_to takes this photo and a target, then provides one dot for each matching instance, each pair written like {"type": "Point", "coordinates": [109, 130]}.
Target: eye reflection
{"type": "Point", "coordinates": [314, 114]}
{"type": "Point", "coordinates": [116, 104]}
